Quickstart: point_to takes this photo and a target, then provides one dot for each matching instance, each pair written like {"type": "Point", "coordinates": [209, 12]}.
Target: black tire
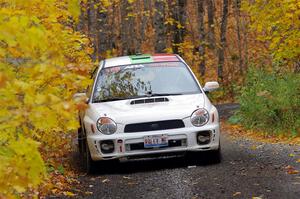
{"type": "Point", "coordinates": [215, 156]}
{"type": "Point", "coordinates": [80, 140]}
{"type": "Point", "coordinates": [204, 157]}
{"type": "Point", "coordinates": [88, 164]}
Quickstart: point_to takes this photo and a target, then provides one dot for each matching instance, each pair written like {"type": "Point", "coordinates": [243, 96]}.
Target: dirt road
{"type": "Point", "coordinates": [249, 169]}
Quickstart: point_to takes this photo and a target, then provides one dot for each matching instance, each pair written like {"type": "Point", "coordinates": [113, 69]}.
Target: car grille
{"type": "Point", "coordinates": [154, 126]}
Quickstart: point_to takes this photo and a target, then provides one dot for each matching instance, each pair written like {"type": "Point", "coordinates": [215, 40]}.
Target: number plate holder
{"type": "Point", "coordinates": [155, 141]}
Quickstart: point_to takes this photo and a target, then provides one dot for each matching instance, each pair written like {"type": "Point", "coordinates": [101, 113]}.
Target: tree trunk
{"type": "Point", "coordinates": [179, 29]}
{"type": "Point", "coordinates": [127, 28]}
{"type": "Point", "coordinates": [103, 32]}
{"type": "Point", "coordinates": [82, 23]}
{"type": "Point", "coordinates": [211, 23]}
{"type": "Point", "coordinates": [92, 31]}
{"type": "Point", "coordinates": [297, 67]}
{"type": "Point", "coordinates": [221, 49]}
{"type": "Point", "coordinates": [244, 28]}
{"type": "Point", "coordinates": [201, 13]}
{"type": "Point", "coordinates": [237, 14]}
{"type": "Point", "coordinates": [145, 18]}
{"type": "Point", "coordinates": [113, 32]}
{"type": "Point", "coordinates": [159, 26]}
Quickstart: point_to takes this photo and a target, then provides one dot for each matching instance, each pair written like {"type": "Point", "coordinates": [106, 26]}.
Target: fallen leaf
{"type": "Point", "coordinates": [54, 191]}
{"type": "Point", "coordinates": [294, 171]}
{"type": "Point", "coordinates": [256, 197]}
{"type": "Point", "coordinates": [126, 177]}
{"type": "Point", "coordinates": [292, 155]}
{"type": "Point", "coordinates": [298, 161]}
{"type": "Point", "coordinates": [68, 193]}
{"type": "Point", "coordinates": [263, 93]}
{"type": "Point", "coordinates": [288, 167]}
{"type": "Point", "coordinates": [81, 106]}
{"type": "Point", "coordinates": [291, 170]}
{"type": "Point", "coordinates": [3, 79]}
{"type": "Point", "coordinates": [88, 193]}
{"type": "Point", "coordinates": [105, 180]}
{"type": "Point", "coordinates": [236, 194]}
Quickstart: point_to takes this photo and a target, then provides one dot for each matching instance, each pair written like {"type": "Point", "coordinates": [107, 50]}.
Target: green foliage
{"type": "Point", "coordinates": [270, 102]}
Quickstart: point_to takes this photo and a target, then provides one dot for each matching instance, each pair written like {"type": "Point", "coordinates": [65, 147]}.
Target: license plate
{"type": "Point", "coordinates": [154, 141]}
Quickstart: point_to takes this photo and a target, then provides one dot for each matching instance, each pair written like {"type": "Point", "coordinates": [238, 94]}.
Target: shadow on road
{"type": "Point", "coordinates": [146, 164]}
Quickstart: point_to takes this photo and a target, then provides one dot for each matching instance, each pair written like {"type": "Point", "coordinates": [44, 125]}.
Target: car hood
{"type": "Point", "coordinates": [178, 107]}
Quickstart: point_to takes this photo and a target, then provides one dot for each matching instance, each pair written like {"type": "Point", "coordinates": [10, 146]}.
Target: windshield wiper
{"type": "Point", "coordinates": [109, 100]}
{"type": "Point", "coordinates": [135, 97]}
{"type": "Point", "coordinates": [160, 94]}
{"type": "Point", "coordinates": [164, 94]}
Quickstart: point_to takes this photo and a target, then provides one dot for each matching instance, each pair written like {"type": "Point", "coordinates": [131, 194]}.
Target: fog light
{"type": "Point", "coordinates": [107, 146]}
{"type": "Point", "coordinates": [203, 137]}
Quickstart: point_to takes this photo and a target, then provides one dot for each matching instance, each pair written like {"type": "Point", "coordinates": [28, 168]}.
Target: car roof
{"type": "Point", "coordinates": [140, 59]}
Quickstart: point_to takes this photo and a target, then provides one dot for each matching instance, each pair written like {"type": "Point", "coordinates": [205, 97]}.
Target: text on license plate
{"type": "Point", "coordinates": [155, 141]}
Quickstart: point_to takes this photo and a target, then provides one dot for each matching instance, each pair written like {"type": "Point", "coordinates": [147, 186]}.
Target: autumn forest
{"type": "Point", "coordinates": [49, 48]}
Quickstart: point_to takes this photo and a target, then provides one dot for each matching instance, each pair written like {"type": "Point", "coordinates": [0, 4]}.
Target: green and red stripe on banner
{"type": "Point", "coordinates": [147, 58]}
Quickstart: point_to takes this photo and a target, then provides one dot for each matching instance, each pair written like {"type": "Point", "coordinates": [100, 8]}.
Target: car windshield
{"type": "Point", "coordinates": [144, 80]}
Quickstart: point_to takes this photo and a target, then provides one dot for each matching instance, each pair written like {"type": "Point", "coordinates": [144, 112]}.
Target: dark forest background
{"type": "Point", "coordinates": [212, 35]}
{"type": "Point", "coordinates": [252, 47]}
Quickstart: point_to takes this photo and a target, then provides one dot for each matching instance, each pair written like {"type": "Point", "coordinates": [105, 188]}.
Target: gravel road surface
{"type": "Point", "coordinates": [248, 169]}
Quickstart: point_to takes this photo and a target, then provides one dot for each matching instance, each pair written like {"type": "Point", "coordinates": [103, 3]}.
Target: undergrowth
{"type": "Point", "coordinates": [270, 102]}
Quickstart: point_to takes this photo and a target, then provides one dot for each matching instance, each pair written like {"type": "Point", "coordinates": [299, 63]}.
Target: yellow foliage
{"type": "Point", "coordinates": [43, 61]}
{"type": "Point", "coordinates": [21, 165]}
{"type": "Point", "coordinates": [131, 1]}
{"type": "Point", "coordinates": [276, 22]}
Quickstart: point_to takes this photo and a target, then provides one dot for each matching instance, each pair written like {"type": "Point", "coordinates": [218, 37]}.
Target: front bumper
{"type": "Point", "coordinates": [131, 144]}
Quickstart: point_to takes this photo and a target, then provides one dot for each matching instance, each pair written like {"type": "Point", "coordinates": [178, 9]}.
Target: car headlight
{"type": "Point", "coordinates": [106, 125]}
{"type": "Point", "coordinates": [200, 117]}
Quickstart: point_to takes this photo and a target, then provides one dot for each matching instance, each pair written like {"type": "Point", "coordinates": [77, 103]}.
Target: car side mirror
{"type": "Point", "coordinates": [210, 86]}
{"type": "Point", "coordinates": [77, 97]}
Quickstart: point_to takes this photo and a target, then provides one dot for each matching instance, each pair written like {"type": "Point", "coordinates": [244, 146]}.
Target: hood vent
{"type": "Point", "coordinates": [149, 100]}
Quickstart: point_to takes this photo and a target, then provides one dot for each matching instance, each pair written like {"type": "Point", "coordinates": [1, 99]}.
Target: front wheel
{"type": "Point", "coordinates": [80, 140]}
{"type": "Point", "coordinates": [215, 156]}
{"type": "Point", "coordinates": [88, 164]}
{"type": "Point", "coordinates": [204, 157]}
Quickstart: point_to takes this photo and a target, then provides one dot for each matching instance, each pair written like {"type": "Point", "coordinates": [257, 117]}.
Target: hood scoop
{"type": "Point", "coordinates": [149, 100]}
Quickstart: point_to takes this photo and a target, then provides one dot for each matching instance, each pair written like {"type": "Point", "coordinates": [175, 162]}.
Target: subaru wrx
{"type": "Point", "coordinates": [143, 105]}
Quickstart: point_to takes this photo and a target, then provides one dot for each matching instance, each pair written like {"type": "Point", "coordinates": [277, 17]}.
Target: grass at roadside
{"type": "Point", "coordinates": [238, 131]}
{"type": "Point", "coordinates": [269, 102]}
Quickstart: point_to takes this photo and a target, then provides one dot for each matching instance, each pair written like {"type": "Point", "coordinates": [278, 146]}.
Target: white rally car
{"type": "Point", "coordinates": [143, 105]}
